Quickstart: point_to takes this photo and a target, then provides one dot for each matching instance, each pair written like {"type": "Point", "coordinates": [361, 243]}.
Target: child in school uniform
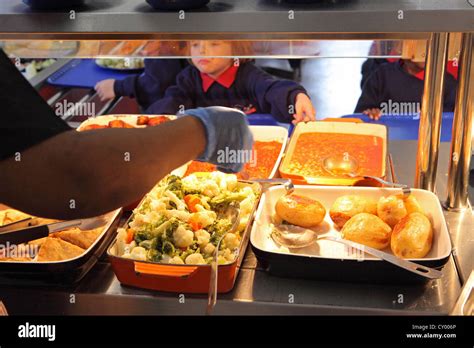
{"type": "Point", "coordinates": [399, 82]}
{"type": "Point", "coordinates": [235, 83]}
{"type": "Point", "coordinates": [146, 88]}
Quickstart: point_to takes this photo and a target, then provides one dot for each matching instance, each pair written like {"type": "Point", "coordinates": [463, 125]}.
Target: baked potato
{"type": "Point", "coordinates": [346, 207]}
{"type": "Point", "coordinates": [412, 205]}
{"type": "Point", "coordinates": [300, 210]}
{"type": "Point", "coordinates": [412, 237]}
{"type": "Point", "coordinates": [367, 229]}
{"type": "Point", "coordinates": [393, 208]}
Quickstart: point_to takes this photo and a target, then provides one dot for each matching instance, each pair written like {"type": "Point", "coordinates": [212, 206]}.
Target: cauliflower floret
{"type": "Point", "coordinates": [231, 241]}
{"type": "Point", "coordinates": [204, 218]}
{"type": "Point", "coordinates": [227, 254]}
{"type": "Point", "coordinates": [246, 205]}
{"type": "Point", "coordinates": [221, 260]}
{"type": "Point", "coordinates": [211, 189]}
{"type": "Point", "coordinates": [138, 253]}
{"type": "Point", "coordinates": [179, 214]}
{"type": "Point", "coordinates": [183, 237]}
{"type": "Point", "coordinates": [158, 205]}
{"type": "Point", "coordinates": [231, 182]}
{"type": "Point", "coordinates": [202, 237]}
{"type": "Point", "coordinates": [138, 221]}
{"type": "Point", "coordinates": [176, 261]}
{"type": "Point", "coordinates": [195, 259]}
{"type": "Point", "coordinates": [173, 198]}
{"type": "Point", "coordinates": [208, 249]}
{"type": "Point", "coordinates": [165, 259]}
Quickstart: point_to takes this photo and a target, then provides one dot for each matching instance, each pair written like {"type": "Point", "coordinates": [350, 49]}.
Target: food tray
{"type": "Point", "coordinates": [269, 133]}
{"type": "Point", "coordinates": [355, 128]}
{"type": "Point", "coordinates": [60, 272]}
{"type": "Point", "coordinates": [105, 119]}
{"type": "Point", "coordinates": [333, 261]}
{"type": "Point", "coordinates": [84, 73]}
{"type": "Point", "coordinates": [180, 278]}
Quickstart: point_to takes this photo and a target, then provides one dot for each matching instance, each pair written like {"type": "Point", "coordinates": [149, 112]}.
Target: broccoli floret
{"type": "Point", "coordinates": [168, 248]}
{"type": "Point", "coordinates": [154, 255]}
{"type": "Point", "coordinates": [174, 184]}
{"type": "Point", "coordinates": [145, 244]}
{"type": "Point", "coordinates": [141, 236]}
{"type": "Point", "coordinates": [173, 225]}
{"type": "Point", "coordinates": [217, 229]}
{"type": "Point", "coordinates": [226, 198]}
{"type": "Point", "coordinates": [156, 243]}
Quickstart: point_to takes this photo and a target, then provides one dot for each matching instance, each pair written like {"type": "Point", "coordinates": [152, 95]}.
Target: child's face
{"type": "Point", "coordinates": [202, 53]}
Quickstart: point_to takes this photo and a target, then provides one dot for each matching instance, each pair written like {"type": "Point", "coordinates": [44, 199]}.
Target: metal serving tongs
{"type": "Point", "coordinates": [36, 232]}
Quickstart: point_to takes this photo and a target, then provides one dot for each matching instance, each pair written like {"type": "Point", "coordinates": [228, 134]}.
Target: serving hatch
{"type": "Point", "coordinates": [330, 260]}
{"type": "Point", "coordinates": [314, 144]}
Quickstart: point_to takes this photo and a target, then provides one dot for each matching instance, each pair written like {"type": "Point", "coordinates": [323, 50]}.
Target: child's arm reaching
{"type": "Point", "coordinates": [370, 98]}
{"type": "Point", "coordinates": [305, 111]}
{"type": "Point", "coordinates": [105, 89]}
{"type": "Point", "coordinates": [286, 100]}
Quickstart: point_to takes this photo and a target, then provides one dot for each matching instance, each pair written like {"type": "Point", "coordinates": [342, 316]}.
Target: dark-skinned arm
{"type": "Point", "coordinates": [81, 174]}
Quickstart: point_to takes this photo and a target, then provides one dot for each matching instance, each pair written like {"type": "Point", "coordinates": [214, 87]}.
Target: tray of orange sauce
{"type": "Point", "coordinates": [269, 146]}
{"type": "Point", "coordinates": [336, 153]}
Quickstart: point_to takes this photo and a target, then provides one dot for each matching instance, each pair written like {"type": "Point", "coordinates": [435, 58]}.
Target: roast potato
{"type": "Point", "coordinates": [393, 208]}
{"type": "Point", "coordinates": [300, 210]}
{"type": "Point", "coordinates": [412, 237]}
{"type": "Point", "coordinates": [412, 205]}
{"type": "Point", "coordinates": [346, 207]}
{"type": "Point", "coordinates": [367, 229]}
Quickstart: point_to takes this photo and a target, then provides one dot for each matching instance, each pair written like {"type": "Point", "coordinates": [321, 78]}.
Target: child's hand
{"type": "Point", "coordinates": [105, 89]}
{"type": "Point", "coordinates": [304, 109]}
{"type": "Point", "coordinates": [374, 113]}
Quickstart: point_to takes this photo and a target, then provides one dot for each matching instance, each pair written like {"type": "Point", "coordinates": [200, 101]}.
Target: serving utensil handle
{"type": "Point", "coordinates": [413, 267]}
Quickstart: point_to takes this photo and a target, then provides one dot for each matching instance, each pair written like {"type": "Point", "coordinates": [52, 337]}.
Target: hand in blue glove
{"type": "Point", "coordinates": [227, 134]}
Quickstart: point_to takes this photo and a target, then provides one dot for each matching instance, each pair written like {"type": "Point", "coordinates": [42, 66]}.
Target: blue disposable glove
{"type": "Point", "coordinates": [227, 134]}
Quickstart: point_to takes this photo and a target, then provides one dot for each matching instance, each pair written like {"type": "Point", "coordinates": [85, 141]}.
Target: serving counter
{"type": "Point", "coordinates": [257, 292]}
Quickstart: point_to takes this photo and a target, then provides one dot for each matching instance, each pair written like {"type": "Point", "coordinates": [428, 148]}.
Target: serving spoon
{"type": "Point", "coordinates": [230, 212]}
{"type": "Point", "coordinates": [348, 165]}
{"type": "Point", "coordinates": [295, 237]}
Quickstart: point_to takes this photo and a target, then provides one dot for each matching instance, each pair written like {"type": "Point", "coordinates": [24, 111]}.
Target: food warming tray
{"type": "Point", "coordinates": [268, 133]}
{"type": "Point", "coordinates": [329, 260]}
{"type": "Point", "coordinates": [340, 126]}
{"type": "Point", "coordinates": [272, 133]}
{"type": "Point", "coordinates": [180, 278]}
{"type": "Point", "coordinates": [60, 272]}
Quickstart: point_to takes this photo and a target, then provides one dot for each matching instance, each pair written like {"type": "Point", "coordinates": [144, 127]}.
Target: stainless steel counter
{"type": "Point", "coordinates": [257, 292]}
{"type": "Point", "coordinates": [350, 18]}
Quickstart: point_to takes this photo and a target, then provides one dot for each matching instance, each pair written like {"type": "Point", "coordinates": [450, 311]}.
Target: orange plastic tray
{"type": "Point", "coordinates": [352, 127]}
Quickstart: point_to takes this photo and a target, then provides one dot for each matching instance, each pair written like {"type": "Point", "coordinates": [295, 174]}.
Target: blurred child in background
{"type": "Point", "coordinates": [150, 86]}
{"type": "Point", "coordinates": [217, 79]}
{"type": "Point", "coordinates": [394, 83]}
